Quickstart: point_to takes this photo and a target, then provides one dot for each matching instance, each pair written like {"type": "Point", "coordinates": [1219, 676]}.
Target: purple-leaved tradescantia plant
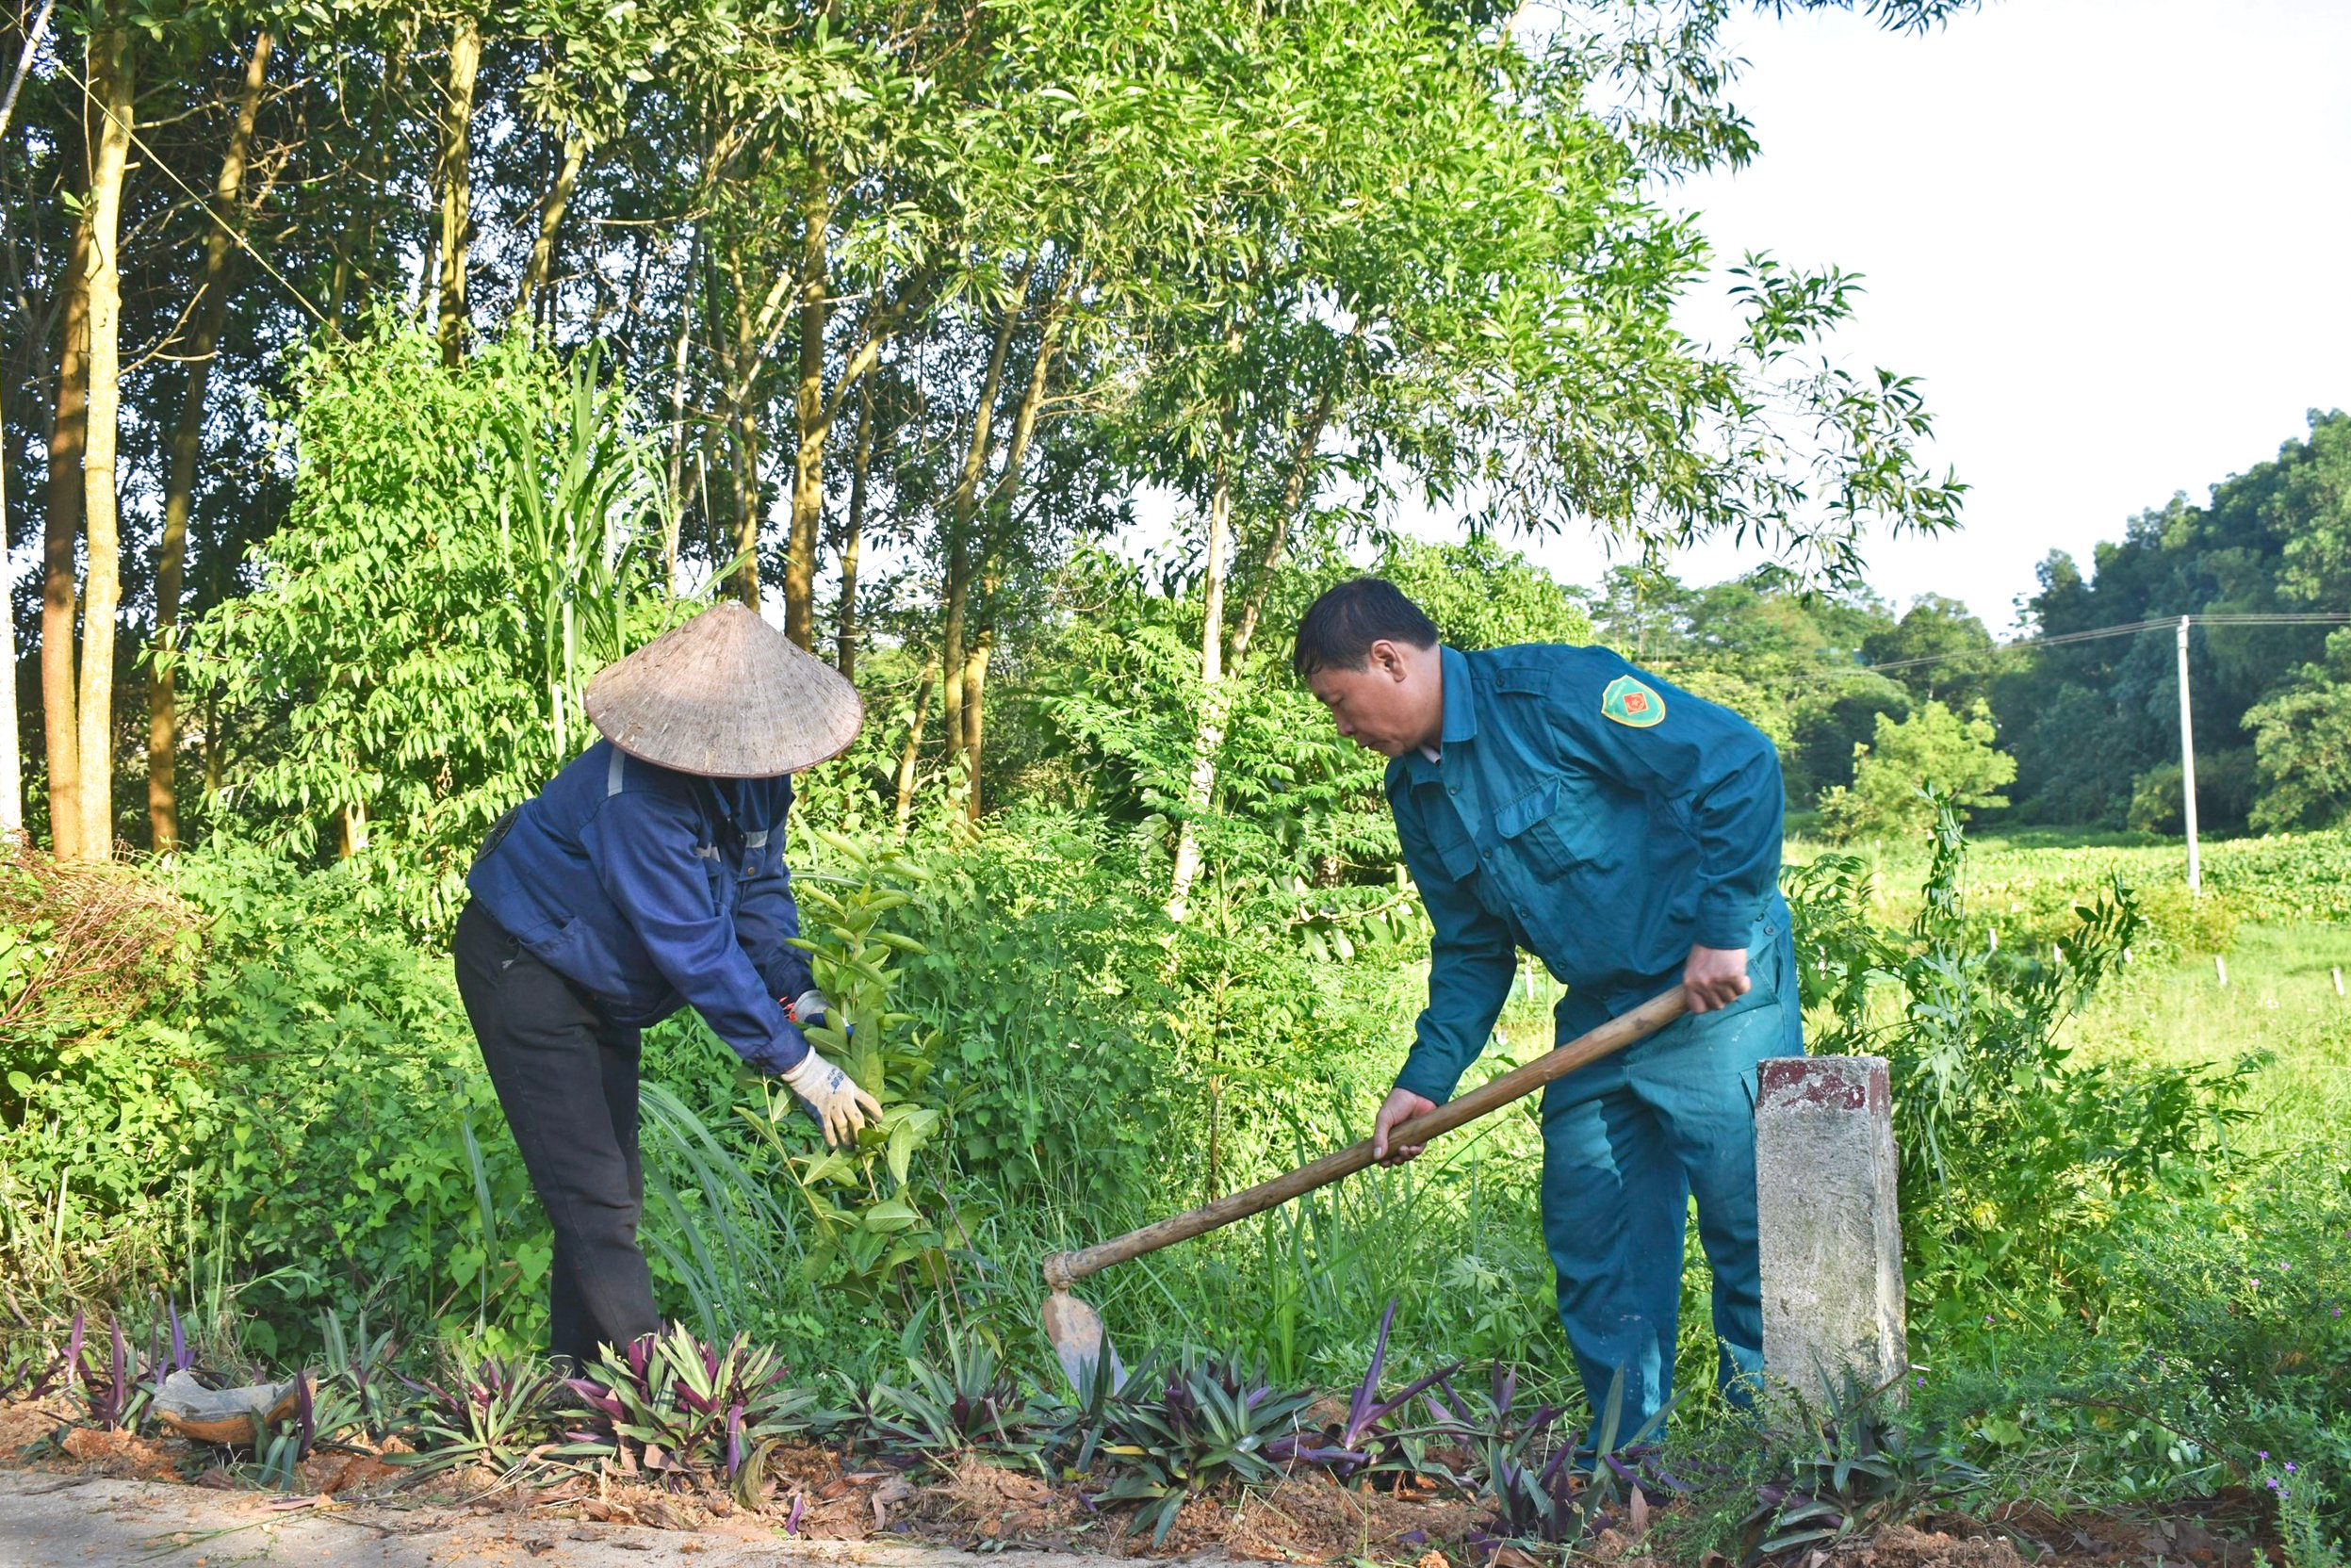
{"type": "Point", "coordinates": [673, 1407]}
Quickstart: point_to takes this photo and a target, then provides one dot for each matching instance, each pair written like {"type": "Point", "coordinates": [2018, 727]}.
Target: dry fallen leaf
{"type": "Point", "coordinates": [895, 1489]}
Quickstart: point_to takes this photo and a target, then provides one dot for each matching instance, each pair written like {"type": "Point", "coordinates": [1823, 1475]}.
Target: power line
{"type": "Point", "coordinates": [2129, 629]}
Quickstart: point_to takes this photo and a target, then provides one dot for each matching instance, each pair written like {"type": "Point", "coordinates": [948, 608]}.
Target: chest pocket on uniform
{"type": "Point", "coordinates": [1549, 829]}
{"type": "Point", "coordinates": [1455, 853]}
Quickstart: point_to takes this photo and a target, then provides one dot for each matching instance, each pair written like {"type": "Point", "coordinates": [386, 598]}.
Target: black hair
{"type": "Point", "coordinates": [1338, 630]}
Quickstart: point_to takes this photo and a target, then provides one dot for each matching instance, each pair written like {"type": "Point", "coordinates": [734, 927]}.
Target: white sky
{"type": "Point", "coordinates": [2112, 237]}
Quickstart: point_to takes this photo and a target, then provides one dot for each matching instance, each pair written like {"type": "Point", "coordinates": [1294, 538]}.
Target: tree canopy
{"type": "Point", "coordinates": [893, 311]}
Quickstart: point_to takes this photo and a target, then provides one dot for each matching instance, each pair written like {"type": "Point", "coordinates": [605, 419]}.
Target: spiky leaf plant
{"type": "Point", "coordinates": [687, 1411]}
{"type": "Point", "coordinates": [354, 1373]}
{"type": "Point", "coordinates": [501, 1413]}
{"type": "Point", "coordinates": [1214, 1419]}
{"type": "Point", "coordinates": [971, 1404]}
{"type": "Point", "coordinates": [1543, 1487]}
{"type": "Point", "coordinates": [1860, 1468]}
{"type": "Point", "coordinates": [29, 1368]}
{"type": "Point", "coordinates": [1371, 1440]}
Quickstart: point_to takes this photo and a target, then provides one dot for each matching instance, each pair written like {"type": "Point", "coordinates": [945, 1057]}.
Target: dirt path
{"type": "Point", "coordinates": [51, 1521]}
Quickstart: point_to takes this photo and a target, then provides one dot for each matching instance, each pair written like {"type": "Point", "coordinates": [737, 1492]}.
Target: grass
{"type": "Point", "coordinates": [2280, 1003]}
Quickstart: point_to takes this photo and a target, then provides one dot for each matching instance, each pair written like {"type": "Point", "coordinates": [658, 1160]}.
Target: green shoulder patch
{"type": "Point", "coordinates": [1629, 702]}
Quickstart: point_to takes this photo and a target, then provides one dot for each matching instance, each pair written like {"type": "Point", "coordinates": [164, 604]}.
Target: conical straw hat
{"type": "Point", "coordinates": [725, 695]}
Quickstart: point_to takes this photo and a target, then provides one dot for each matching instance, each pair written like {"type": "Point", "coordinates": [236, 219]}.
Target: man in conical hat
{"type": "Point", "coordinates": [649, 875]}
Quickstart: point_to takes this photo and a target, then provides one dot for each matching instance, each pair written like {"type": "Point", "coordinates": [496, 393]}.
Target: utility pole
{"type": "Point", "coordinates": [2187, 763]}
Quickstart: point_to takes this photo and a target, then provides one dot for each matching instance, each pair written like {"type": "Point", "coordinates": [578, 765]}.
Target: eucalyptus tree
{"type": "Point", "coordinates": [11, 751]}
{"type": "Point", "coordinates": [1476, 301]}
{"type": "Point", "coordinates": [1426, 215]}
{"type": "Point", "coordinates": [1124, 138]}
{"type": "Point", "coordinates": [227, 213]}
{"type": "Point", "coordinates": [826, 124]}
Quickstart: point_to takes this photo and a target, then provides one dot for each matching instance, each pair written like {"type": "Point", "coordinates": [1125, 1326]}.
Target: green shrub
{"type": "Point", "coordinates": [2016, 1155]}
{"type": "Point", "coordinates": [308, 1098]}
{"type": "Point", "coordinates": [1950, 752]}
{"type": "Point", "coordinates": [466, 547]}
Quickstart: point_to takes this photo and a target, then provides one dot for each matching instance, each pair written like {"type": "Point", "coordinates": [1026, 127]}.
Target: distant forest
{"type": "Point", "coordinates": [2093, 726]}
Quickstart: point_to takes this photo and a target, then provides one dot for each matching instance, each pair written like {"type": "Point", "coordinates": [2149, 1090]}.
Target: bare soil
{"type": "Point", "coordinates": [809, 1496]}
{"type": "Point", "coordinates": [2235, 1527]}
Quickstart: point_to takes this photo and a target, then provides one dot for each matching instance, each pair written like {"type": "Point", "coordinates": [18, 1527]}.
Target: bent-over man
{"type": "Point", "coordinates": [1558, 800]}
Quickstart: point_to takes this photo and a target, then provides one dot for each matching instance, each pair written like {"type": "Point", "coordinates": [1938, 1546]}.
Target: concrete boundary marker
{"type": "Point", "coordinates": [1830, 1231]}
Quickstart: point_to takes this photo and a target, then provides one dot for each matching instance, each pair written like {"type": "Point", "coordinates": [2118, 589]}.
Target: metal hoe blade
{"type": "Point", "coordinates": [1078, 1339]}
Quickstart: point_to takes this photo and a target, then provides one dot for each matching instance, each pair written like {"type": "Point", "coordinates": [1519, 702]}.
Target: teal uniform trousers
{"type": "Point", "coordinates": [1607, 821]}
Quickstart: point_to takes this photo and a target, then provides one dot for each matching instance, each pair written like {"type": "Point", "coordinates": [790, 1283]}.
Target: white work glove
{"type": "Point", "coordinates": [810, 1008]}
{"type": "Point", "coordinates": [832, 1097]}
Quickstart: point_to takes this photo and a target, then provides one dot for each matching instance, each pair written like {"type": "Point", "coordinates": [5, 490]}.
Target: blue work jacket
{"type": "Point", "coordinates": [653, 889]}
{"type": "Point", "coordinates": [1602, 819]}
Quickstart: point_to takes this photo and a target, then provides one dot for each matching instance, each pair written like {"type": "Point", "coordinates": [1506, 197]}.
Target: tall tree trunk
{"type": "Point", "coordinates": [113, 105]}
{"type": "Point", "coordinates": [808, 462]}
{"type": "Point", "coordinates": [911, 756]}
{"type": "Point", "coordinates": [742, 360]}
{"type": "Point", "coordinates": [975, 713]}
{"type": "Point", "coordinates": [34, 37]}
{"type": "Point", "coordinates": [853, 538]}
{"type": "Point", "coordinates": [962, 506]}
{"type": "Point", "coordinates": [679, 347]}
{"type": "Point", "coordinates": [749, 503]}
{"type": "Point", "coordinates": [950, 638]}
{"type": "Point", "coordinates": [163, 816]}
{"type": "Point", "coordinates": [11, 745]}
{"type": "Point", "coordinates": [989, 567]}
{"type": "Point", "coordinates": [1202, 787]}
{"type": "Point", "coordinates": [215, 754]}
{"type": "Point", "coordinates": [59, 598]}
{"type": "Point", "coordinates": [427, 278]}
{"type": "Point", "coordinates": [1277, 534]}
{"type": "Point", "coordinates": [456, 183]}
{"type": "Point", "coordinates": [11, 737]}
{"type": "Point", "coordinates": [551, 218]}
{"type": "Point", "coordinates": [743, 416]}
{"type": "Point", "coordinates": [372, 152]}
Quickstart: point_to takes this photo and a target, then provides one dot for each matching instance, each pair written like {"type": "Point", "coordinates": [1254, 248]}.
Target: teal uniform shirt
{"type": "Point", "coordinates": [1599, 817]}
{"type": "Point", "coordinates": [1609, 821]}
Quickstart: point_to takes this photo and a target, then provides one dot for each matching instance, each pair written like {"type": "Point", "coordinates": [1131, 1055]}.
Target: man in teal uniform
{"type": "Point", "coordinates": [1557, 799]}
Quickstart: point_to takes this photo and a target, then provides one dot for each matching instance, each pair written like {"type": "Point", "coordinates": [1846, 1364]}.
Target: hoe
{"type": "Point", "coordinates": [1076, 1330]}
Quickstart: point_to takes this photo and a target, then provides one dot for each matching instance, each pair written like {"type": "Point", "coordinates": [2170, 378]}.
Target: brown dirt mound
{"type": "Point", "coordinates": [980, 1505]}
{"type": "Point", "coordinates": [25, 1422]}
{"type": "Point", "coordinates": [1896, 1547]}
{"type": "Point", "coordinates": [114, 1452]}
{"type": "Point", "coordinates": [1313, 1518]}
{"type": "Point", "coordinates": [331, 1473]}
{"type": "Point", "coordinates": [1902, 1547]}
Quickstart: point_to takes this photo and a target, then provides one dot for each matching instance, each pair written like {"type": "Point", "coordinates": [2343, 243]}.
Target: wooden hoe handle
{"type": "Point", "coordinates": [1062, 1269]}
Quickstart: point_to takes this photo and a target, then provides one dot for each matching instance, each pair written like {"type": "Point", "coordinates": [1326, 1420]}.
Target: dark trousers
{"type": "Point", "coordinates": [567, 1077]}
